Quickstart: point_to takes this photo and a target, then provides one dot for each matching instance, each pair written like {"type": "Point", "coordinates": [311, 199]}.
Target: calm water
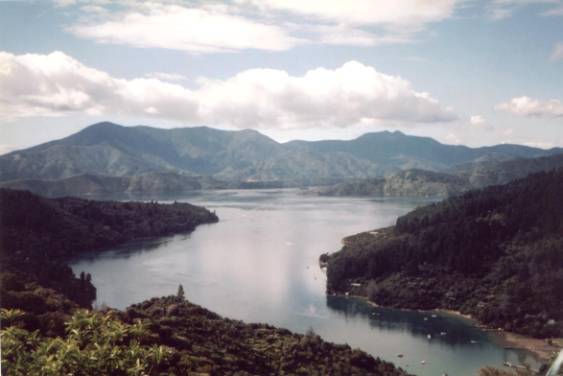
{"type": "Point", "coordinates": [259, 264]}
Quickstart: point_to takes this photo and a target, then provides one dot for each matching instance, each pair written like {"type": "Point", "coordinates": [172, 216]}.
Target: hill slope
{"type": "Point", "coordinates": [107, 149]}
{"type": "Point", "coordinates": [495, 253]}
{"type": "Point", "coordinates": [458, 179]}
{"type": "Point", "coordinates": [406, 183]}
{"type": "Point", "coordinates": [395, 150]}
{"type": "Point", "coordinates": [44, 331]}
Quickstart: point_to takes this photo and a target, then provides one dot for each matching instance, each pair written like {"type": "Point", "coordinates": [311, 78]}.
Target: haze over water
{"type": "Point", "coordinates": [260, 264]}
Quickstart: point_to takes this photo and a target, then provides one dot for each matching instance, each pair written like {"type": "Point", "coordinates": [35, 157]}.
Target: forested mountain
{"type": "Point", "coordinates": [406, 183]}
{"type": "Point", "coordinates": [482, 174]}
{"type": "Point", "coordinates": [458, 179]}
{"type": "Point", "coordinates": [37, 233]}
{"type": "Point", "coordinates": [45, 331]}
{"type": "Point", "coordinates": [394, 150]}
{"type": "Point", "coordinates": [113, 150]}
{"type": "Point", "coordinates": [232, 157]}
{"type": "Point", "coordinates": [494, 253]}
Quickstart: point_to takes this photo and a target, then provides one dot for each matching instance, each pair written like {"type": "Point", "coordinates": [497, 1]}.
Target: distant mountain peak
{"type": "Point", "coordinates": [106, 148]}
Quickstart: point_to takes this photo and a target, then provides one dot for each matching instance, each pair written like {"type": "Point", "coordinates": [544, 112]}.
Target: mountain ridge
{"type": "Point", "coordinates": [109, 149]}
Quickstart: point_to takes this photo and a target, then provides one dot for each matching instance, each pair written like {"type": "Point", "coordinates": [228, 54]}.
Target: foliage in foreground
{"type": "Point", "coordinates": [170, 336]}
{"type": "Point", "coordinates": [94, 344]}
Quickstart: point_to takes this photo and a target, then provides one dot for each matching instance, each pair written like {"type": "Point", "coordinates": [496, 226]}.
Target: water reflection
{"type": "Point", "coordinates": [433, 326]}
{"type": "Point", "coordinates": [260, 264]}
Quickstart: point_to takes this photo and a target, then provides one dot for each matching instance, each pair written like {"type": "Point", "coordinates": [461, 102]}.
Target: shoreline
{"type": "Point", "coordinates": [508, 340]}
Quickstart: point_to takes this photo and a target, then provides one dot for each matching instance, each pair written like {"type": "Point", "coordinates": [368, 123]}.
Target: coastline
{"type": "Point", "coordinates": [540, 348]}
{"type": "Point", "coordinates": [510, 340]}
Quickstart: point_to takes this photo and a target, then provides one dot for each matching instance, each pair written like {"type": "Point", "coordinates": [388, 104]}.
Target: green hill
{"type": "Point", "coordinates": [45, 331]}
{"type": "Point", "coordinates": [495, 253]}
{"type": "Point", "coordinates": [235, 158]}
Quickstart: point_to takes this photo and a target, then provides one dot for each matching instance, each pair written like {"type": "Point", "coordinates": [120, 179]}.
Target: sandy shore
{"type": "Point", "coordinates": [539, 347]}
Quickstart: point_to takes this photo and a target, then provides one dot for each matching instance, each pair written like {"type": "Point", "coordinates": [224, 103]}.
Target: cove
{"type": "Point", "coordinates": [260, 264]}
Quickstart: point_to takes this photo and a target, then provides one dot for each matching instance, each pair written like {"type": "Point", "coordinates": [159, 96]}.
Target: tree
{"type": "Point", "coordinates": [180, 294]}
{"type": "Point", "coordinates": [95, 344]}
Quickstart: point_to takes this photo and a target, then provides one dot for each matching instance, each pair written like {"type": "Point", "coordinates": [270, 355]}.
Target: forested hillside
{"type": "Point", "coordinates": [107, 157]}
{"type": "Point", "coordinates": [37, 233]}
{"type": "Point", "coordinates": [458, 179]}
{"type": "Point", "coordinates": [495, 253]}
{"type": "Point", "coordinates": [45, 331]}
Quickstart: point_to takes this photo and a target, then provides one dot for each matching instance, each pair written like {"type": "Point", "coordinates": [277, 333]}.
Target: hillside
{"type": "Point", "coordinates": [483, 174]}
{"type": "Point", "coordinates": [393, 151]}
{"type": "Point", "coordinates": [458, 179]}
{"type": "Point", "coordinates": [159, 183]}
{"type": "Point", "coordinates": [38, 233]}
{"type": "Point", "coordinates": [171, 336]}
{"type": "Point", "coordinates": [112, 150]}
{"type": "Point", "coordinates": [235, 158]}
{"type": "Point", "coordinates": [495, 253]}
{"type": "Point", "coordinates": [44, 331]}
{"type": "Point", "coordinates": [407, 183]}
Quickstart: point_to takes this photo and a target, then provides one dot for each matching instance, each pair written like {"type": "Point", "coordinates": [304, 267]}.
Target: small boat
{"type": "Point", "coordinates": [423, 362]}
{"type": "Point", "coordinates": [443, 333]}
{"type": "Point", "coordinates": [429, 336]}
{"type": "Point", "coordinates": [400, 355]}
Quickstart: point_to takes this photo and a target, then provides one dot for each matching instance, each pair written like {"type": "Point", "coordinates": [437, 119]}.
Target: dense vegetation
{"type": "Point", "coordinates": [46, 331]}
{"type": "Point", "coordinates": [483, 174]}
{"type": "Point", "coordinates": [495, 253]}
{"type": "Point", "coordinates": [37, 233]}
{"type": "Point", "coordinates": [407, 183]}
{"type": "Point", "coordinates": [170, 336]}
{"type": "Point", "coordinates": [424, 183]}
{"type": "Point", "coordinates": [68, 226]}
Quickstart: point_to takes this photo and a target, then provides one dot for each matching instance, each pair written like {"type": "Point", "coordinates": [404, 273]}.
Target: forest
{"type": "Point", "coordinates": [39, 234]}
{"type": "Point", "coordinates": [494, 253]}
{"type": "Point", "coordinates": [50, 328]}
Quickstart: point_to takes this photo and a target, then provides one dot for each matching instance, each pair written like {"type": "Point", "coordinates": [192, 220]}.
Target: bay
{"type": "Point", "coordinates": [260, 264]}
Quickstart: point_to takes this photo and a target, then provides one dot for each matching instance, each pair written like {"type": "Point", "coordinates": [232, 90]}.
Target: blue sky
{"type": "Point", "coordinates": [469, 72]}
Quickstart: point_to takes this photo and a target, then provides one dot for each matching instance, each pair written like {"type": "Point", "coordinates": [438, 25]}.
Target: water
{"type": "Point", "coordinates": [260, 264]}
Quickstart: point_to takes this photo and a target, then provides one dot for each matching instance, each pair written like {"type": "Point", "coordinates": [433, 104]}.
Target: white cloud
{"type": "Point", "coordinates": [540, 144]}
{"type": "Point", "coordinates": [344, 96]}
{"type": "Point", "coordinates": [64, 3]}
{"type": "Point", "coordinates": [201, 30]}
{"type": "Point", "coordinates": [164, 76]}
{"type": "Point", "coordinates": [6, 148]}
{"type": "Point", "coordinates": [529, 107]}
{"type": "Point", "coordinates": [501, 9]}
{"type": "Point", "coordinates": [557, 53]}
{"type": "Point", "coordinates": [365, 12]}
{"type": "Point", "coordinates": [452, 138]}
{"type": "Point", "coordinates": [56, 85]}
{"type": "Point", "coordinates": [477, 120]}
{"type": "Point", "coordinates": [272, 25]}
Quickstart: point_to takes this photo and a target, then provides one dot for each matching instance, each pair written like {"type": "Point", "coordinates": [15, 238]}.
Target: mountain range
{"type": "Point", "coordinates": [157, 160]}
{"type": "Point", "coordinates": [458, 179]}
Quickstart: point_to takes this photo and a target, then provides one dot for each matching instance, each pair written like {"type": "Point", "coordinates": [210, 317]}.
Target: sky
{"type": "Point", "coordinates": [461, 71]}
